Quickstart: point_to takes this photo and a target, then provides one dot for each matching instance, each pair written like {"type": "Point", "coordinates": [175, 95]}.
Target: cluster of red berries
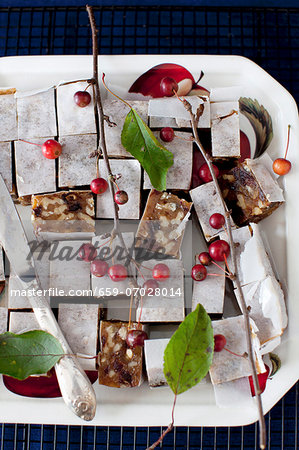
{"type": "Point", "coordinates": [98, 267]}
{"type": "Point", "coordinates": [218, 251]}
{"type": "Point", "coordinates": [160, 272]}
{"type": "Point", "coordinates": [118, 272]}
{"type": "Point", "coordinates": [99, 186]}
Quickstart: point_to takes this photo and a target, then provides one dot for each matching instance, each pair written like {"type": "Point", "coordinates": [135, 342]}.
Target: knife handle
{"type": "Point", "coordinates": [76, 389]}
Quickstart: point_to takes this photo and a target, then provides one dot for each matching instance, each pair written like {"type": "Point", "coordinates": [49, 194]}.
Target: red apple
{"type": "Point", "coordinates": [262, 377]}
{"type": "Point", "coordinates": [198, 90]}
{"type": "Point", "coordinates": [149, 82]}
{"type": "Point", "coordinates": [41, 386]}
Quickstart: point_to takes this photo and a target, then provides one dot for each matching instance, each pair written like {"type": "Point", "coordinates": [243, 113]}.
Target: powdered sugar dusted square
{"type": "Point", "coordinates": [72, 119]}
{"type": "Point", "coordinates": [35, 174]}
{"type": "Point", "coordinates": [75, 166]}
{"type": "Point", "coordinates": [179, 175]}
{"type": "Point", "coordinates": [36, 114]}
{"type": "Point", "coordinates": [130, 182]}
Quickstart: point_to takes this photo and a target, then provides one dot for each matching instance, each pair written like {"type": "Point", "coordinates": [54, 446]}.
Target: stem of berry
{"type": "Point", "coordinates": [233, 111]}
{"type": "Point", "coordinates": [224, 228]}
{"type": "Point", "coordinates": [140, 313]}
{"type": "Point", "coordinates": [144, 267]}
{"type": "Point", "coordinates": [213, 262]}
{"type": "Point", "coordinates": [233, 353]}
{"type": "Point", "coordinates": [130, 311]}
{"type": "Point", "coordinates": [97, 165]}
{"type": "Point", "coordinates": [89, 84]}
{"type": "Point", "coordinates": [110, 250]}
{"type": "Point", "coordinates": [102, 144]}
{"type": "Point", "coordinates": [137, 265]}
{"type": "Point", "coordinates": [32, 143]}
{"type": "Point", "coordinates": [189, 139]}
{"type": "Point", "coordinates": [112, 93]}
{"type": "Point", "coordinates": [288, 141]}
{"type": "Point", "coordinates": [226, 263]}
{"type": "Point", "coordinates": [115, 184]}
{"type": "Point", "coordinates": [217, 275]}
{"type": "Point", "coordinates": [245, 312]}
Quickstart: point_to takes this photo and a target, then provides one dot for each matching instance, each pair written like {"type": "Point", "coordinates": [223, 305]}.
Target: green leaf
{"type": "Point", "coordinates": [138, 139]}
{"type": "Point", "coordinates": [261, 122]}
{"type": "Point", "coordinates": [30, 353]}
{"type": "Point", "coordinates": [189, 353]}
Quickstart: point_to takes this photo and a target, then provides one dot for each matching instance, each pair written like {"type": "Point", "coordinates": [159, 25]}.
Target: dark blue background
{"type": "Point", "coordinates": [260, 3]}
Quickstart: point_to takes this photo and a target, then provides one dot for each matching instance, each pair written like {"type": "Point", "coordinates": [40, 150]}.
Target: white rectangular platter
{"type": "Point", "coordinates": [142, 406]}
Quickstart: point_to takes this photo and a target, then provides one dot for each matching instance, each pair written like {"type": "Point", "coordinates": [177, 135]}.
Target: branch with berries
{"type": "Point", "coordinates": [119, 197]}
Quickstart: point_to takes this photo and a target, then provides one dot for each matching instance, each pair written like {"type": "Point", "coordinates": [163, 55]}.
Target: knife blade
{"type": "Point", "coordinates": [75, 387]}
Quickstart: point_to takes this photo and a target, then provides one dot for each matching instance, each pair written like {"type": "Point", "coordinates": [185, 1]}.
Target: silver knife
{"type": "Point", "coordinates": [75, 386]}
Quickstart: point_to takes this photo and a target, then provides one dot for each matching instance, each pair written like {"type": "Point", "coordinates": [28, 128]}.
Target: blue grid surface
{"type": "Point", "coordinates": [281, 421]}
{"type": "Point", "coordinates": [267, 35]}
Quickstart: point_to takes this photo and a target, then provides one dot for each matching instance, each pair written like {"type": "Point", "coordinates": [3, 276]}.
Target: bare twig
{"type": "Point", "coordinates": [244, 309]}
{"type": "Point", "coordinates": [167, 430]}
{"type": "Point", "coordinates": [158, 442]}
{"type": "Point", "coordinates": [102, 144]}
{"type": "Point", "coordinates": [88, 81]}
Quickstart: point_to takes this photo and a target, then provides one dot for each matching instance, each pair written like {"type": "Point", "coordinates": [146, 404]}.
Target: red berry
{"type": "Point", "coordinates": [219, 342]}
{"type": "Point", "coordinates": [87, 252]}
{"type": "Point", "coordinates": [205, 174]}
{"type": "Point", "coordinates": [51, 149]}
{"type": "Point", "coordinates": [161, 272]}
{"type": "Point", "coordinates": [150, 286]}
{"type": "Point", "coordinates": [282, 166]}
{"type": "Point", "coordinates": [99, 268]}
{"type": "Point", "coordinates": [118, 272]}
{"type": "Point", "coordinates": [167, 134]}
{"type": "Point", "coordinates": [217, 221]}
{"type": "Point", "coordinates": [219, 248]}
{"type": "Point", "coordinates": [262, 377]}
{"type": "Point", "coordinates": [167, 86]}
{"type": "Point", "coordinates": [121, 197]}
{"type": "Point", "coordinates": [82, 98]}
{"type": "Point", "coordinates": [199, 272]}
{"type": "Point", "coordinates": [99, 186]}
{"type": "Point", "coordinates": [204, 258]}
{"type": "Point", "coordinates": [136, 338]}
